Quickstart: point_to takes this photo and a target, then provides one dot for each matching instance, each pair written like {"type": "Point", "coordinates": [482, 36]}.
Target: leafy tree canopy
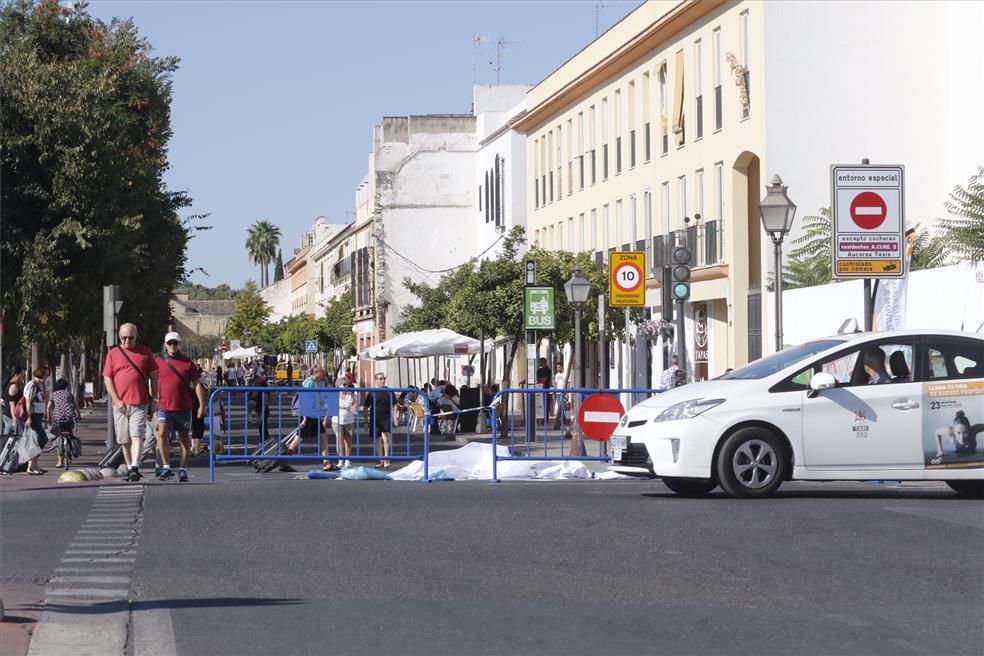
{"type": "Point", "coordinates": [248, 319]}
{"type": "Point", "coordinates": [963, 230]}
{"type": "Point", "coordinates": [86, 123]}
{"type": "Point", "coordinates": [221, 292]}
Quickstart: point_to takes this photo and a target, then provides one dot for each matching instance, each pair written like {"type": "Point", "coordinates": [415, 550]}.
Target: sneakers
{"type": "Point", "coordinates": [133, 475]}
{"type": "Point", "coordinates": [182, 476]}
{"type": "Point", "coordinates": [166, 474]}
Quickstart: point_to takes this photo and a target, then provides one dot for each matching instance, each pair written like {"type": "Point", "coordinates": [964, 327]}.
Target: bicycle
{"type": "Point", "coordinates": [66, 445]}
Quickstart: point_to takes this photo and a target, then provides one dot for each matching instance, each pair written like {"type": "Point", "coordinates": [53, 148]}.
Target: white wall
{"type": "Point", "coordinates": [947, 298]}
{"type": "Point", "coordinates": [896, 82]}
{"type": "Point", "coordinates": [278, 297]}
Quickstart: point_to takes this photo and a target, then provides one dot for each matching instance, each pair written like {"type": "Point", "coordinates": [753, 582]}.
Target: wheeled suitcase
{"type": "Point", "coordinates": [114, 457]}
{"type": "Point", "coordinates": [270, 447]}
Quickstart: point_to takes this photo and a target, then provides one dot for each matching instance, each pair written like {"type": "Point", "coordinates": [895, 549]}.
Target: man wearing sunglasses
{"type": "Point", "coordinates": [178, 375]}
{"type": "Point", "coordinates": [128, 373]}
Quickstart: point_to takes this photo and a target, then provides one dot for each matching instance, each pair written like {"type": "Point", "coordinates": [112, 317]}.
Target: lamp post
{"type": "Point", "coordinates": [777, 213]}
{"type": "Point", "coordinates": [577, 290]}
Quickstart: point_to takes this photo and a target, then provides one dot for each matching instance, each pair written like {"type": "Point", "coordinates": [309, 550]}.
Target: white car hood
{"type": "Point", "coordinates": [708, 389]}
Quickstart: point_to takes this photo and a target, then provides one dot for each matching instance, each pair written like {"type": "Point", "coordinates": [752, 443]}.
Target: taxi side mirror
{"type": "Point", "coordinates": [821, 381]}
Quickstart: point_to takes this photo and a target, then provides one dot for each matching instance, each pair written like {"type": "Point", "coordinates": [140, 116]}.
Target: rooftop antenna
{"type": "Point", "coordinates": [598, 7]}
{"type": "Point", "coordinates": [477, 41]}
{"type": "Point", "coordinates": [500, 44]}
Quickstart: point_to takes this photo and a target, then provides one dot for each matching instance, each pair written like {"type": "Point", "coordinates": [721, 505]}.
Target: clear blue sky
{"type": "Point", "coordinates": [274, 102]}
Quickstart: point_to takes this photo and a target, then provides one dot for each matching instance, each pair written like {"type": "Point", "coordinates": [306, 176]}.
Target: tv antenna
{"type": "Point", "coordinates": [499, 46]}
{"type": "Point", "coordinates": [598, 8]}
{"type": "Point", "coordinates": [477, 41]}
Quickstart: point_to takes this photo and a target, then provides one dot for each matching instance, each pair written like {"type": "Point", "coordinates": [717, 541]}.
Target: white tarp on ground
{"type": "Point", "coordinates": [241, 352]}
{"type": "Point", "coordinates": [425, 343]}
{"type": "Point", "coordinates": [474, 462]}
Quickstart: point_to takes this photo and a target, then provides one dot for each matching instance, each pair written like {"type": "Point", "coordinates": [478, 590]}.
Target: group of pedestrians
{"type": "Point", "coordinates": [29, 412]}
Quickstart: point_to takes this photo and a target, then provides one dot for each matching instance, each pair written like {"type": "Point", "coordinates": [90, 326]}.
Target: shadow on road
{"type": "Point", "coordinates": [155, 604]}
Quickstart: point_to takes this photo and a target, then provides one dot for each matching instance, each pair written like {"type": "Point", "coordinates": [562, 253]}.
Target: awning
{"type": "Point", "coordinates": [251, 352]}
{"type": "Point", "coordinates": [425, 343]}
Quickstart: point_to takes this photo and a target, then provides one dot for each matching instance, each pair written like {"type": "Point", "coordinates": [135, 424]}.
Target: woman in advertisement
{"type": "Point", "coordinates": [961, 434]}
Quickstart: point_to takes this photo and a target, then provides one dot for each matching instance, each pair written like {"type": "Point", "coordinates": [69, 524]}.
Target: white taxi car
{"type": "Point", "coordinates": [904, 405]}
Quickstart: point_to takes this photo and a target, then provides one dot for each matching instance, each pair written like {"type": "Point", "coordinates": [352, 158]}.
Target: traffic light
{"type": "Point", "coordinates": [680, 274]}
{"type": "Point", "coordinates": [666, 291]}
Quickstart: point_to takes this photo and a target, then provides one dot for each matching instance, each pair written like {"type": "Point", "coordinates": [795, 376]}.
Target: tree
{"type": "Point", "coordinates": [963, 231]}
{"type": "Point", "coordinates": [338, 324]}
{"type": "Point", "coordinates": [278, 268]}
{"type": "Point", "coordinates": [261, 243]}
{"type": "Point", "coordinates": [928, 251]}
{"type": "Point", "coordinates": [246, 322]}
{"type": "Point", "coordinates": [811, 262]}
{"type": "Point", "coordinates": [86, 123]}
{"type": "Point", "coordinates": [487, 296]}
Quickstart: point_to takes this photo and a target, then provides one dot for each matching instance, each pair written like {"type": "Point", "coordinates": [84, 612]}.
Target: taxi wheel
{"type": "Point", "coordinates": [690, 487]}
{"type": "Point", "coordinates": [972, 489]}
{"type": "Point", "coordinates": [751, 463]}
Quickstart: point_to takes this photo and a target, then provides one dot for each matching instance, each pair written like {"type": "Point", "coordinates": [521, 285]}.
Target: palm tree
{"type": "Point", "coordinates": [963, 230]}
{"type": "Point", "coordinates": [262, 241]}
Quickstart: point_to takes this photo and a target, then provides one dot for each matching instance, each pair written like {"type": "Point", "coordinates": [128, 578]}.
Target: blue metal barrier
{"type": "Point", "coordinates": [252, 435]}
{"type": "Point", "coordinates": [541, 426]}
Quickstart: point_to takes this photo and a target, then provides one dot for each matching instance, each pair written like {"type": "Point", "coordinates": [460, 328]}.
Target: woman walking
{"type": "Point", "coordinates": [13, 391]}
{"type": "Point", "coordinates": [344, 422]}
{"type": "Point", "coordinates": [36, 401]}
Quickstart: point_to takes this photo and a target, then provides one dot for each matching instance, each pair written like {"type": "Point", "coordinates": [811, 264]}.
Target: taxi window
{"type": "Point", "coordinates": [955, 358]}
{"type": "Point", "coordinates": [847, 367]}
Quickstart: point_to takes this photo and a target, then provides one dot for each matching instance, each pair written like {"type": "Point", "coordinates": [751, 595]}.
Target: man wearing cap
{"type": "Point", "coordinates": [128, 370]}
{"type": "Point", "coordinates": [178, 376]}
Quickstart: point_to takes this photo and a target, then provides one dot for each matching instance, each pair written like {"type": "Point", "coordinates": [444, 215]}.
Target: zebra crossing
{"type": "Point", "coordinates": [87, 598]}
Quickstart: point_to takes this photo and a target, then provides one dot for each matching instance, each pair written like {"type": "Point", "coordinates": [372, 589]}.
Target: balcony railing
{"type": "Point", "coordinates": [706, 243]}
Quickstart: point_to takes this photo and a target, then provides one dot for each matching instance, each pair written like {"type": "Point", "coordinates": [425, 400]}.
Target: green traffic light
{"type": "Point", "coordinates": [681, 291]}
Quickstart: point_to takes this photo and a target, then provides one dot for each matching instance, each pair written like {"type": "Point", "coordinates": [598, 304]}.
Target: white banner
{"type": "Point", "coordinates": [891, 297]}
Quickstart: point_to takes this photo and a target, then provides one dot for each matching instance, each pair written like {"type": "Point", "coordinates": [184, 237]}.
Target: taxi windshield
{"type": "Point", "coordinates": [778, 361]}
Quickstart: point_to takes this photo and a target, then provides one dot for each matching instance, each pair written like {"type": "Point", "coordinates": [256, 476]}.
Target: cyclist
{"type": "Point", "coordinates": [62, 411]}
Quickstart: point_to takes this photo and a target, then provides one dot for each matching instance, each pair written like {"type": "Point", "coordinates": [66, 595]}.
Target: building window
{"type": "Point", "coordinates": [551, 187]}
{"type": "Point", "coordinates": [480, 196]}
{"type": "Point", "coordinates": [618, 155]}
{"type": "Point", "coordinates": [560, 236]}
{"type": "Point", "coordinates": [743, 49]}
{"type": "Point", "coordinates": [647, 208]}
{"type": "Point", "coordinates": [699, 209]}
{"type": "Point", "coordinates": [698, 89]}
{"type": "Point", "coordinates": [499, 181]}
{"type": "Point", "coordinates": [618, 131]}
{"type": "Point", "coordinates": [664, 112]}
{"type": "Point", "coordinates": [665, 206]}
{"type": "Point", "coordinates": [716, 46]}
{"type": "Point", "coordinates": [682, 197]}
{"type": "Point", "coordinates": [618, 223]}
{"type": "Point", "coordinates": [570, 234]}
{"type": "Point", "coordinates": [580, 233]}
{"type": "Point", "coordinates": [570, 157]}
{"type": "Point", "coordinates": [604, 162]}
{"type": "Point", "coordinates": [594, 229]}
{"type": "Point", "coordinates": [679, 105]}
{"type": "Point", "coordinates": [646, 142]}
{"type": "Point", "coordinates": [632, 150]}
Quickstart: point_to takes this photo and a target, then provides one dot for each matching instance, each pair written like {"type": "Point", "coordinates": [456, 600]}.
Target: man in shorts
{"type": "Point", "coordinates": [178, 375]}
{"type": "Point", "coordinates": [129, 369]}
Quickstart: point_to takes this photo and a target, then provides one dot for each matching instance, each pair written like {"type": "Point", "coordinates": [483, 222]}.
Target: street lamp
{"type": "Point", "coordinates": [577, 290]}
{"type": "Point", "coordinates": [777, 218]}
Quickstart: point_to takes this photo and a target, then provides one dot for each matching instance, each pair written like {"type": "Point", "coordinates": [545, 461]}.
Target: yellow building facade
{"type": "Point", "coordinates": [650, 137]}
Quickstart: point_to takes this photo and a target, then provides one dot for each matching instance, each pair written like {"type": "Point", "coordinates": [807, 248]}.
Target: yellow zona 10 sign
{"type": "Point", "coordinates": [627, 279]}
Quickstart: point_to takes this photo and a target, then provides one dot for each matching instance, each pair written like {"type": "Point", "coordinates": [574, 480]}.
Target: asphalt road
{"type": "Point", "coordinates": [274, 565]}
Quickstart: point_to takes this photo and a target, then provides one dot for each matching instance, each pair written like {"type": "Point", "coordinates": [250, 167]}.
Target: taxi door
{"type": "Point", "coordinates": [858, 425]}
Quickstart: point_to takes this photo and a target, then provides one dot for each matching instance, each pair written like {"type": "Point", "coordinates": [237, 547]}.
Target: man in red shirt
{"type": "Point", "coordinates": [178, 374]}
{"type": "Point", "coordinates": [127, 371]}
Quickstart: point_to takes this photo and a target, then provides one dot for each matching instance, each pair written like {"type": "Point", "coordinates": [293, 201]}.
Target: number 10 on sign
{"type": "Point", "coordinates": [627, 279]}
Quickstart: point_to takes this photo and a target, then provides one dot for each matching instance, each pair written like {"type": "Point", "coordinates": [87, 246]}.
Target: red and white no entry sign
{"type": "Point", "coordinates": [599, 415]}
{"type": "Point", "coordinates": [868, 210]}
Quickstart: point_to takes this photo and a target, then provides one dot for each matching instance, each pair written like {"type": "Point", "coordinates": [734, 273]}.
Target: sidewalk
{"type": "Point", "coordinates": [91, 430]}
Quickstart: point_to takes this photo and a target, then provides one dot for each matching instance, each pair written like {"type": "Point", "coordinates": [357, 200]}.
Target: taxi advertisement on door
{"type": "Point", "coordinates": [953, 421]}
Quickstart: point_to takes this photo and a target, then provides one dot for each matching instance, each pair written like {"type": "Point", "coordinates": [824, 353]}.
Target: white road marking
{"type": "Point", "coordinates": [94, 559]}
{"type": "Point", "coordinates": [87, 592]}
{"type": "Point", "coordinates": [89, 579]}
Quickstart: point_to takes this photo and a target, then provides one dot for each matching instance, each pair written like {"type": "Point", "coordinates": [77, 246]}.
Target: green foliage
{"type": "Point", "coordinates": [278, 268]}
{"type": "Point", "coordinates": [202, 293]}
{"type": "Point", "coordinates": [487, 296]}
{"type": "Point", "coordinates": [963, 230]}
{"type": "Point", "coordinates": [928, 251]}
{"type": "Point", "coordinates": [261, 243]}
{"type": "Point", "coordinates": [86, 123]}
{"type": "Point", "coordinates": [247, 320]}
{"type": "Point", "coordinates": [200, 346]}
{"type": "Point", "coordinates": [338, 324]}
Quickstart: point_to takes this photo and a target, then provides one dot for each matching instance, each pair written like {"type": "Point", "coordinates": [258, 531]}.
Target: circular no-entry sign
{"type": "Point", "coordinates": [599, 415]}
{"type": "Point", "coordinates": [627, 277]}
{"type": "Point", "coordinates": [868, 210]}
